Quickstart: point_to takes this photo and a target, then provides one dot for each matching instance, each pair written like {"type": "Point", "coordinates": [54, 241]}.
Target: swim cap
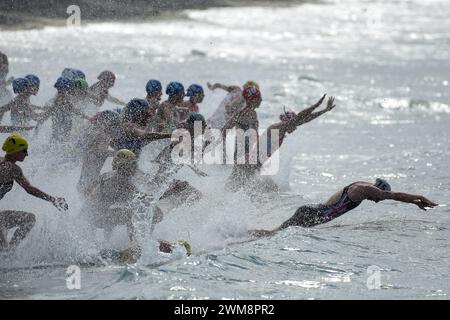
{"type": "Point", "coordinates": [186, 245]}
{"type": "Point", "coordinates": [135, 108]}
{"type": "Point", "coordinates": [153, 86]}
{"type": "Point", "coordinates": [33, 80]}
{"type": "Point", "coordinates": [20, 85]}
{"type": "Point", "coordinates": [174, 88]}
{"type": "Point", "coordinates": [195, 116]}
{"type": "Point", "coordinates": [123, 157]}
{"type": "Point", "coordinates": [14, 143]}
{"type": "Point", "coordinates": [382, 184]}
{"type": "Point", "coordinates": [250, 83]}
{"type": "Point", "coordinates": [251, 94]}
{"type": "Point", "coordinates": [107, 118]}
{"type": "Point", "coordinates": [63, 83]}
{"type": "Point", "coordinates": [71, 73]}
{"type": "Point", "coordinates": [80, 84]}
{"type": "Point", "coordinates": [287, 115]}
{"type": "Point", "coordinates": [107, 76]}
{"type": "Point", "coordinates": [194, 89]}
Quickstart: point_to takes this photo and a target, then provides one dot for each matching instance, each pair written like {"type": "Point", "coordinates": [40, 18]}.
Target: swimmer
{"type": "Point", "coordinates": [232, 103]}
{"type": "Point", "coordinates": [62, 110]}
{"type": "Point", "coordinates": [345, 200]}
{"type": "Point", "coordinates": [110, 201]}
{"type": "Point", "coordinates": [196, 95]}
{"type": "Point", "coordinates": [16, 148]}
{"type": "Point", "coordinates": [167, 116]}
{"type": "Point", "coordinates": [130, 134]}
{"type": "Point", "coordinates": [21, 108]}
{"type": "Point", "coordinates": [98, 93]}
{"type": "Point", "coordinates": [167, 166]}
{"type": "Point", "coordinates": [154, 94]}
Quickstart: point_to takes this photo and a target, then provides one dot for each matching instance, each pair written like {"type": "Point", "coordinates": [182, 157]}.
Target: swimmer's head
{"type": "Point", "coordinates": [250, 83]}
{"type": "Point", "coordinates": [80, 86]}
{"type": "Point", "coordinates": [16, 146]}
{"type": "Point", "coordinates": [107, 119]}
{"type": "Point", "coordinates": [192, 118]}
{"type": "Point", "coordinates": [4, 65]}
{"type": "Point", "coordinates": [154, 89]}
{"type": "Point", "coordinates": [71, 73]}
{"type": "Point", "coordinates": [287, 116]}
{"type": "Point", "coordinates": [196, 93]}
{"type": "Point", "coordinates": [137, 111]}
{"type": "Point", "coordinates": [382, 184]}
{"type": "Point", "coordinates": [252, 97]}
{"type": "Point", "coordinates": [125, 161]}
{"type": "Point", "coordinates": [64, 84]}
{"type": "Point", "coordinates": [107, 77]}
{"type": "Point", "coordinates": [175, 91]}
{"type": "Point", "coordinates": [34, 83]}
{"type": "Point", "coordinates": [21, 85]}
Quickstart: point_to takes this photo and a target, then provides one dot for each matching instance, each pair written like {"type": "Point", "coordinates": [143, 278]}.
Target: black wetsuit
{"type": "Point", "coordinates": [312, 215]}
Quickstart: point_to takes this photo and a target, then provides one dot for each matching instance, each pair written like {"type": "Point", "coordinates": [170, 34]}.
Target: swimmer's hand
{"type": "Point", "coordinates": [423, 203]}
{"type": "Point", "coordinates": [330, 104]}
{"type": "Point", "coordinates": [318, 103]}
{"type": "Point", "coordinates": [211, 86]}
{"type": "Point", "coordinates": [60, 203]}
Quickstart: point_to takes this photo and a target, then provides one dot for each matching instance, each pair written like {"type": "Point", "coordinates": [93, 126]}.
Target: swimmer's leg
{"type": "Point", "coordinates": [262, 233]}
{"type": "Point", "coordinates": [11, 219]}
{"type": "Point", "coordinates": [305, 216]}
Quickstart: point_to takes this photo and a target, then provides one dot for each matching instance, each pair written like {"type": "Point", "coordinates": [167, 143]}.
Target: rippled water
{"type": "Point", "coordinates": [387, 65]}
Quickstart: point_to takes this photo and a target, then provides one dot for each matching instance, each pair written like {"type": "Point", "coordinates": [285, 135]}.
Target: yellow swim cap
{"type": "Point", "coordinates": [186, 245]}
{"type": "Point", "coordinates": [15, 143]}
{"type": "Point", "coordinates": [250, 83]}
{"type": "Point", "coordinates": [123, 157]}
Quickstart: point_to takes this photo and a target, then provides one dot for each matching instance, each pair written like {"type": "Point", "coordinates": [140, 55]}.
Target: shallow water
{"type": "Point", "coordinates": [387, 65]}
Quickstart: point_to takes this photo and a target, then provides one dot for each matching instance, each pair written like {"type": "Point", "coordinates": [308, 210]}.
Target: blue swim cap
{"type": "Point", "coordinates": [63, 83]}
{"type": "Point", "coordinates": [194, 89]}
{"type": "Point", "coordinates": [33, 79]}
{"type": "Point", "coordinates": [382, 184]}
{"type": "Point", "coordinates": [107, 118]}
{"type": "Point", "coordinates": [153, 86]}
{"type": "Point", "coordinates": [174, 88]}
{"type": "Point", "coordinates": [20, 85]}
{"type": "Point", "coordinates": [71, 73]}
{"type": "Point", "coordinates": [135, 108]}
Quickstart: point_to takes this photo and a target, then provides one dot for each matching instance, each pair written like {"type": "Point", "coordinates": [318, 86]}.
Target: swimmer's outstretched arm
{"type": "Point", "coordinates": [221, 86]}
{"type": "Point", "coordinates": [375, 194]}
{"type": "Point", "coordinates": [150, 136]}
{"type": "Point", "coordinates": [112, 99]}
{"type": "Point", "coordinates": [80, 114]}
{"type": "Point", "coordinates": [8, 129]}
{"type": "Point", "coordinates": [313, 115]}
{"type": "Point", "coordinates": [59, 203]}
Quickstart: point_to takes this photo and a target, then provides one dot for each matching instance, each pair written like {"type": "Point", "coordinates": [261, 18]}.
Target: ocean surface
{"type": "Point", "coordinates": [387, 64]}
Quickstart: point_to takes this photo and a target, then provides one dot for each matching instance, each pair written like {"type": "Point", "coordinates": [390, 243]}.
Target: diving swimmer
{"type": "Point", "coordinates": [345, 200]}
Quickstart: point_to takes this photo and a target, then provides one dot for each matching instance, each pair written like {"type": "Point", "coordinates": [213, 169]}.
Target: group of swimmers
{"type": "Point", "coordinates": [112, 198]}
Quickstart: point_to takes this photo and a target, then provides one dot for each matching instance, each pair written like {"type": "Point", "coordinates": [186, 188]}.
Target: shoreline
{"type": "Point", "coordinates": [27, 14]}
